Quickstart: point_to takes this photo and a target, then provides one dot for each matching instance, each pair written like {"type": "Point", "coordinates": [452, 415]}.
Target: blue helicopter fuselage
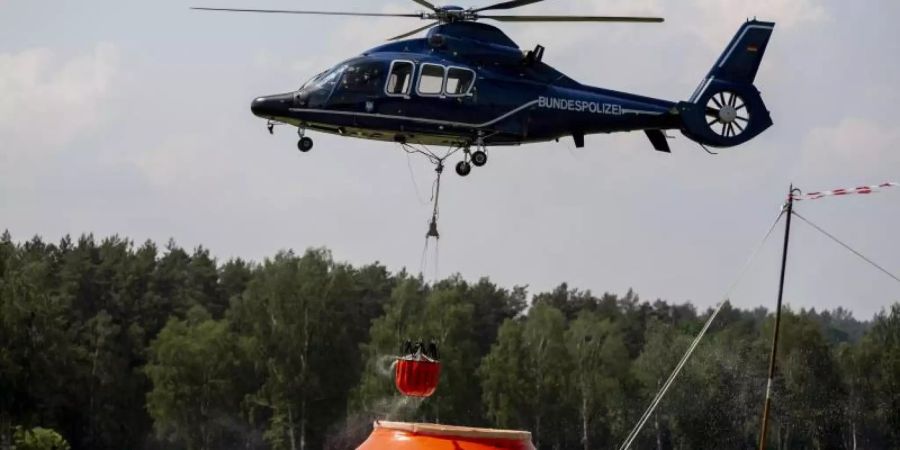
{"type": "Point", "coordinates": [468, 83]}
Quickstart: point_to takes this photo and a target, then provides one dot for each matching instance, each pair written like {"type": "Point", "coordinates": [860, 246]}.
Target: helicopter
{"type": "Point", "coordinates": [467, 84]}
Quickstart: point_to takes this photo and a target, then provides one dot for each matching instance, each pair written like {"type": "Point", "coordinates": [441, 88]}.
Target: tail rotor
{"type": "Point", "coordinates": [728, 115]}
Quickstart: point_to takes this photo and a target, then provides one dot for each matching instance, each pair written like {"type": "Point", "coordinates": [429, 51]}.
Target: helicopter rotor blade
{"type": "Point", "coordinates": [317, 13]}
{"type": "Point", "coordinates": [417, 30]}
{"type": "Point", "coordinates": [607, 19]}
{"type": "Point", "coordinates": [426, 4]}
{"type": "Point", "coordinates": [506, 5]}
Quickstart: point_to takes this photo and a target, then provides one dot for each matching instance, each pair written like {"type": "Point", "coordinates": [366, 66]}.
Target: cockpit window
{"type": "Point", "coordinates": [459, 81]}
{"type": "Point", "coordinates": [327, 76]}
{"type": "Point", "coordinates": [400, 78]}
{"type": "Point", "coordinates": [431, 80]}
{"type": "Point", "coordinates": [362, 78]}
{"type": "Point", "coordinates": [312, 80]}
{"type": "Point", "coordinates": [319, 89]}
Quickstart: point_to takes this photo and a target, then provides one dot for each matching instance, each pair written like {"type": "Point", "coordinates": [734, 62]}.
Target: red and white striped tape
{"type": "Point", "coordinates": [862, 190]}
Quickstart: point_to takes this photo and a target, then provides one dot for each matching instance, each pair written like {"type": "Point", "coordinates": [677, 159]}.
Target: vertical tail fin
{"type": "Point", "coordinates": [741, 59]}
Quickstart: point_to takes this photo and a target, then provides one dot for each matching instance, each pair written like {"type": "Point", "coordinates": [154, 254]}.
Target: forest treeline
{"type": "Point", "coordinates": [114, 345]}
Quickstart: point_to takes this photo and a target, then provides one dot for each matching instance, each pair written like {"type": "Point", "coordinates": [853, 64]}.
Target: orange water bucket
{"type": "Point", "coordinates": [417, 377]}
{"type": "Point", "coordinates": [413, 436]}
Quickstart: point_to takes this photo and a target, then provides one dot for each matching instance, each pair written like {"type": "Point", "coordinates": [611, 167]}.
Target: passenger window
{"type": "Point", "coordinates": [431, 81]}
{"type": "Point", "coordinates": [362, 78]}
{"type": "Point", "coordinates": [400, 78]}
{"type": "Point", "coordinates": [459, 81]}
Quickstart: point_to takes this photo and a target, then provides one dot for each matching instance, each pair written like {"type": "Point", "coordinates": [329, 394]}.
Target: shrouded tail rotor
{"type": "Point", "coordinates": [727, 113]}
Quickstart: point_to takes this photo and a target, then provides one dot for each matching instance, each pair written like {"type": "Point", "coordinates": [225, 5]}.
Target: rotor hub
{"type": "Point", "coordinates": [450, 14]}
{"type": "Point", "coordinates": [728, 114]}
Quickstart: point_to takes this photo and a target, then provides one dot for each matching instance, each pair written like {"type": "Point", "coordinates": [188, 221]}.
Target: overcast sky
{"type": "Point", "coordinates": [133, 118]}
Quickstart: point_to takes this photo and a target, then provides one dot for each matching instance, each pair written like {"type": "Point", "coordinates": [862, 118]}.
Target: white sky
{"type": "Point", "coordinates": [133, 118]}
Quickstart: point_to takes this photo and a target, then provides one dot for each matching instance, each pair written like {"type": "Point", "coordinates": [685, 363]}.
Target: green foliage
{"type": "Point", "coordinates": [601, 363]}
{"type": "Point", "coordinates": [550, 366]}
{"type": "Point", "coordinates": [875, 384]}
{"type": "Point", "coordinates": [39, 439]}
{"type": "Point", "coordinates": [122, 346]}
{"type": "Point", "coordinates": [809, 384]}
{"type": "Point", "coordinates": [194, 367]}
{"type": "Point", "coordinates": [507, 380]}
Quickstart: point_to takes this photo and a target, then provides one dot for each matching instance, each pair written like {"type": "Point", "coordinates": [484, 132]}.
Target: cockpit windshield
{"type": "Point", "coordinates": [315, 92]}
{"type": "Point", "coordinates": [326, 78]}
{"type": "Point", "coordinates": [343, 84]}
{"type": "Point", "coordinates": [312, 80]}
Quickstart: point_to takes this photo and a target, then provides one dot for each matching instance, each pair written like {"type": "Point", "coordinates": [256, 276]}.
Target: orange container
{"type": "Point", "coordinates": [417, 377]}
{"type": "Point", "coordinates": [415, 436]}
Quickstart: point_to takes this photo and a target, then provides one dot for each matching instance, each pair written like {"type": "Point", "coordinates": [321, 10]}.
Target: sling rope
{"type": "Point", "coordinates": [412, 178]}
{"type": "Point", "coordinates": [438, 162]}
{"type": "Point", "coordinates": [690, 351]}
{"type": "Point", "coordinates": [860, 255]}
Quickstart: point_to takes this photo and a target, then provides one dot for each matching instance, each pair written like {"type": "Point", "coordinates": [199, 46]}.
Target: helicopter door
{"type": "Point", "coordinates": [358, 86]}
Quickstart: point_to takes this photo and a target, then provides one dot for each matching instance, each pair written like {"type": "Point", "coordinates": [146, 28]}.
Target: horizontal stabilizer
{"type": "Point", "coordinates": [658, 139]}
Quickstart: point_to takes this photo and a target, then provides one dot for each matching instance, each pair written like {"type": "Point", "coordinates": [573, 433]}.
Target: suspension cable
{"type": "Point", "coordinates": [412, 178]}
{"type": "Point", "coordinates": [423, 264]}
{"type": "Point", "coordinates": [841, 243]}
{"type": "Point", "coordinates": [438, 162]}
{"type": "Point", "coordinates": [690, 351]}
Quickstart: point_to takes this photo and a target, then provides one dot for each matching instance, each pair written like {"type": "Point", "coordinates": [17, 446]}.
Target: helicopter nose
{"type": "Point", "coordinates": [258, 106]}
{"type": "Point", "coordinates": [272, 105]}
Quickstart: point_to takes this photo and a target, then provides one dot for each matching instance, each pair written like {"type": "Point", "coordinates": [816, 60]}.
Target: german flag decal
{"type": "Point", "coordinates": [753, 49]}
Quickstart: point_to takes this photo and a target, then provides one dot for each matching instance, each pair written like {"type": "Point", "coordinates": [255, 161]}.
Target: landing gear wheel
{"type": "Point", "coordinates": [463, 169]}
{"type": "Point", "coordinates": [305, 144]}
{"type": "Point", "coordinates": [479, 158]}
